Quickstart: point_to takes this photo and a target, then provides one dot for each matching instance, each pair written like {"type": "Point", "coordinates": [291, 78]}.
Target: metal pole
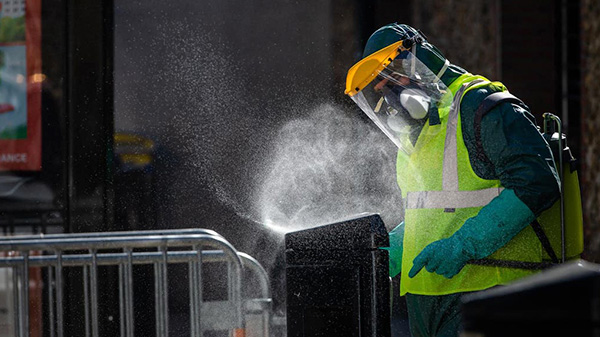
{"type": "Point", "coordinates": [157, 299]}
{"type": "Point", "coordinates": [231, 286]}
{"type": "Point", "coordinates": [124, 303]}
{"type": "Point", "coordinates": [562, 186]}
{"type": "Point", "coordinates": [59, 295]}
{"type": "Point", "coordinates": [94, 235]}
{"type": "Point", "coordinates": [192, 284]}
{"type": "Point", "coordinates": [562, 192]}
{"type": "Point", "coordinates": [129, 293]}
{"type": "Point", "coordinates": [25, 294]}
{"type": "Point", "coordinates": [165, 291]}
{"type": "Point", "coordinates": [51, 304]}
{"type": "Point", "coordinates": [16, 300]}
{"type": "Point", "coordinates": [121, 301]}
{"type": "Point", "coordinates": [94, 292]}
{"type": "Point", "coordinates": [86, 299]}
{"type": "Point", "coordinates": [114, 259]}
{"type": "Point", "coordinates": [198, 286]}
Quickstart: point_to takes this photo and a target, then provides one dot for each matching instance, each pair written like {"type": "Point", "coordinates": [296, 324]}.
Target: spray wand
{"type": "Point", "coordinates": [549, 130]}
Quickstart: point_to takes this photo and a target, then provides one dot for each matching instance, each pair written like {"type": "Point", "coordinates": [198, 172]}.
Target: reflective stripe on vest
{"type": "Point", "coordinates": [451, 197]}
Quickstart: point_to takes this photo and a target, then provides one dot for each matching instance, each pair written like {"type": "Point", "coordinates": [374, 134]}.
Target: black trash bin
{"type": "Point", "coordinates": [337, 280]}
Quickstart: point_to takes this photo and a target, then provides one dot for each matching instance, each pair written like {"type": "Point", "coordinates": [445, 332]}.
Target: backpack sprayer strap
{"type": "Point", "coordinates": [513, 264]}
{"type": "Point", "coordinates": [541, 235]}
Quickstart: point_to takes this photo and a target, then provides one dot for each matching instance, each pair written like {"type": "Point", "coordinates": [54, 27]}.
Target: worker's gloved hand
{"type": "Point", "coordinates": [480, 236]}
{"type": "Point", "coordinates": [445, 257]}
{"type": "Point", "coordinates": [396, 237]}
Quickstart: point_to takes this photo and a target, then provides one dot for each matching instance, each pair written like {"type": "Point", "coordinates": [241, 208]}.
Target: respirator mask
{"type": "Point", "coordinates": [400, 93]}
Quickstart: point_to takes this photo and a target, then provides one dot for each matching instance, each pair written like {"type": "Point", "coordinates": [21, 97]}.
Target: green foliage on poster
{"type": "Point", "coordinates": [12, 29]}
{"type": "Point", "coordinates": [19, 132]}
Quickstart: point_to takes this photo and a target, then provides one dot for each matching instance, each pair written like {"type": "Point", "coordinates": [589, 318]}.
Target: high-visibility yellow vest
{"type": "Point", "coordinates": [440, 192]}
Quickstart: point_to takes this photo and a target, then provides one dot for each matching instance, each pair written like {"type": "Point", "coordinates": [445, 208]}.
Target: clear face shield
{"type": "Point", "coordinates": [398, 93]}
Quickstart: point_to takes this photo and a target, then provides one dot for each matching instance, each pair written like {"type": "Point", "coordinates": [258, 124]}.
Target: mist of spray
{"type": "Point", "coordinates": [218, 135]}
{"type": "Point", "coordinates": [326, 167]}
{"type": "Point", "coordinates": [190, 104]}
{"type": "Point", "coordinates": [267, 153]}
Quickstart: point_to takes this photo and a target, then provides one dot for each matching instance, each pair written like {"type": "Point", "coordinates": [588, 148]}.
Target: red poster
{"type": "Point", "coordinates": [20, 85]}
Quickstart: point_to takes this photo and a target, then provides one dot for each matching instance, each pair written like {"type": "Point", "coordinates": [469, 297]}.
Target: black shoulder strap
{"type": "Point", "coordinates": [539, 232]}
{"type": "Point", "coordinates": [513, 264]}
{"type": "Point", "coordinates": [490, 102]}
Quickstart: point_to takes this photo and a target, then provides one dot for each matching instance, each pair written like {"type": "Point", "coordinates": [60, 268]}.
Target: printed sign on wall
{"type": "Point", "coordinates": [20, 85]}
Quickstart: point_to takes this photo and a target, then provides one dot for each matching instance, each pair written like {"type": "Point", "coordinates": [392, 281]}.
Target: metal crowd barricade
{"type": "Point", "coordinates": [64, 250]}
{"type": "Point", "coordinates": [259, 307]}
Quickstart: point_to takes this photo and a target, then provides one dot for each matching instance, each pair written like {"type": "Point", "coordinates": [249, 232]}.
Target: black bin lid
{"type": "Point", "coordinates": [362, 232]}
{"type": "Point", "coordinates": [564, 296]}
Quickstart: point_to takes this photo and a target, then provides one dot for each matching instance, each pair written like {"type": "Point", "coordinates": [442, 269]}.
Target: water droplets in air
{"type": "Point", "coordinates": [325, 167]}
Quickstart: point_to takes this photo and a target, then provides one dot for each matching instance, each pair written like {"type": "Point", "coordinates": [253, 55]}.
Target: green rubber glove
{"type": "Point", "coordinates": [396, 237]}
{"type": "Point", "coordinates": [480, 236]}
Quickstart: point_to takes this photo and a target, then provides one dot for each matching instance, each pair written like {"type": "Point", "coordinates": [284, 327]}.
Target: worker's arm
{"type": "Point", "coordinates": [521, 160]}
{"type": "Point", "coordinates": [520, 157]}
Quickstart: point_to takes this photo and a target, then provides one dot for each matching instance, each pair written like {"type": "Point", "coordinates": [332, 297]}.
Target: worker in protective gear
{"type": "Point", "coordinates": [470, 187]}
